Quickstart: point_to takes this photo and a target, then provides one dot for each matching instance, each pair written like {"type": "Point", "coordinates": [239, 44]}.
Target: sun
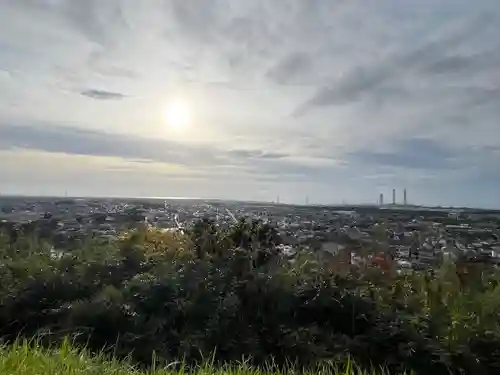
{"type": "Point", "coordinates": [177, 115]}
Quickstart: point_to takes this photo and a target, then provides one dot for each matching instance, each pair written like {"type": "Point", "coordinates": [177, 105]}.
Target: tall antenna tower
{"type": "Point", "coordinates": [394, 196]}
{"type": "Point", "coordinates": [404, 197]}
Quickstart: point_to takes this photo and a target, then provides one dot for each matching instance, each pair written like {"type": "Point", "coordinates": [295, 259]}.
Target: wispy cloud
{"type": "Point", "coordinates": [72, 141]}
{"type": "Point", "coordinates": [292, 68]}
{"type": "Point", "coordinates": [320, 93]}
{"type": "Point", "coordinates": [102, 94]}
{"type": "Point", "coordinates": [433, 57]}
{"type": "Point", "coordinates": [413, 153]}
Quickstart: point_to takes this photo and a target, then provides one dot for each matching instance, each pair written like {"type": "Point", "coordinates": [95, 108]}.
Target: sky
{"type": "Point", "coordinates": [334, 100]}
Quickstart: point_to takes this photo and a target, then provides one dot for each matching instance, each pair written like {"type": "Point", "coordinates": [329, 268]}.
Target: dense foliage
{"type": "Point", "coordinates": [227, 294]}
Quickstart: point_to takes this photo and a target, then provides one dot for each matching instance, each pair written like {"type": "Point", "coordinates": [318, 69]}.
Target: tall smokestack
{"type": "Point", "coordinates": [404, 197]}
{"type": "Point", "coordinates": [393, 196]}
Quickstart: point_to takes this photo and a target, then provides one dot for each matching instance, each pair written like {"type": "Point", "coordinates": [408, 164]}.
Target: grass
{"type": "Point", "coordinates": [30, 358]}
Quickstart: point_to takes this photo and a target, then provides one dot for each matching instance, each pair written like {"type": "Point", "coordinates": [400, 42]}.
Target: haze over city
{"type": "Point", "coordinates": [335, 100]}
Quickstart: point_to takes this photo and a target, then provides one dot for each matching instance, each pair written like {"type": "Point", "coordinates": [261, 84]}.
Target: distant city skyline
{"type": "Point", "coordinates": [247, 100]}
{"type": "Point", "coordinates": [332, 203]}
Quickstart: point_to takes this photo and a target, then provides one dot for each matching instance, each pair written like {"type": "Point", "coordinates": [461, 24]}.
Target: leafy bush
{"type": "Point", "coordinates": [227, 293]}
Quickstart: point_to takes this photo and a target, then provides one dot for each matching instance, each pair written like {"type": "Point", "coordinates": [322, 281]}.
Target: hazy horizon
{"type": "Point", "coordinates": [335, 100]}
{"type": "Point", "coordinates": [215, 199]}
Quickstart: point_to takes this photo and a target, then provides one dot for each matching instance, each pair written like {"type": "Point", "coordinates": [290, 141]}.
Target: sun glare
{"type": "Point", "coordinates": [177, 115]}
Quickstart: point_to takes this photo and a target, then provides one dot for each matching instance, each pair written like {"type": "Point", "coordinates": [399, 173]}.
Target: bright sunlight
{"type": "Point", "coordinates": [177, 115]}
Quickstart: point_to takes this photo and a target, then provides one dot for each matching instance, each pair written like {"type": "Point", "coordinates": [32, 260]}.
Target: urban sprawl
{"type": "Point", "coordinates": [402, 236]}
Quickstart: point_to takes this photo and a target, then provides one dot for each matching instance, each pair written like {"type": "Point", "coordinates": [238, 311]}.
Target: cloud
{"type": "Point", "coordinates": [102, 94]}
{"type": "Point", "coordinates": [398, 92]}
{"type": "Point", "coordinates": [93, 19]}
{"type": "Point", "coordinates": [434, 56]}
{"type": "Point", "coordinates": [75, 141]}
{"type": "Point", "coordinates": [258, 154]}
{"type": "Point", "coordinates": [262, 164]}
{"type": "Point", "coordinates": [290, 68]}
{"type": "Point", "coordinates": [459, 64]}
{"type": "Point", "coordinates": [415, 153]}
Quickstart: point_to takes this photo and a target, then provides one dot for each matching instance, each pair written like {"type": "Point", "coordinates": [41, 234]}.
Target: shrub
{"type": "Point", "coordinates": [225, 293]}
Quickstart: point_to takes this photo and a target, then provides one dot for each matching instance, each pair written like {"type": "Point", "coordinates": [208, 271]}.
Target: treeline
{"type": "Point", "coordinates": [227, 294]}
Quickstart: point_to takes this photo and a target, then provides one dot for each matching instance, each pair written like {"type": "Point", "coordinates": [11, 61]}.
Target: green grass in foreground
{"type": "Point", "coordinates": [24, 358]}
